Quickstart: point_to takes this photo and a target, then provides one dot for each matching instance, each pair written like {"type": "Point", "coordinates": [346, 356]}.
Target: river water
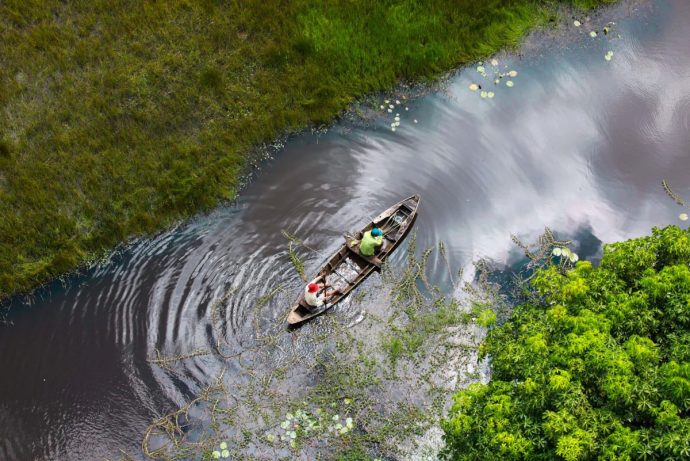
{"type": "Point", "coordinates": [579, 144]}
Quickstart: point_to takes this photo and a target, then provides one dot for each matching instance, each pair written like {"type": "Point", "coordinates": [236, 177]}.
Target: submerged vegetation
{"type": "Point", "coordinates": [596, 365]}
{"type": "Point", "coordinates": [120, 118]}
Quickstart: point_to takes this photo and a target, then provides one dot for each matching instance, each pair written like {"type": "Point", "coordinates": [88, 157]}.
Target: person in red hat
{"type": "Point", "coordinates": [314, 295]}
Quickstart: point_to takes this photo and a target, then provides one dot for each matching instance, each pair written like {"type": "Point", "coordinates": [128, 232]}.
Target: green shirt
{"type": "Point", "coordinates": [369, 243]}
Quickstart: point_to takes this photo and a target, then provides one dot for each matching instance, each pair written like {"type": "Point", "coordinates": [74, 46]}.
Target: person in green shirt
{"type": "Point", "coordinates": [371, 241]}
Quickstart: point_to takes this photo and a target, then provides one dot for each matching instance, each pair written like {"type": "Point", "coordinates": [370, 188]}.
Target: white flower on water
{"type": "Point", "coordinates": [509, 83]}
{"type": "Point", "coordinates": [592, 34]}
{"type": "Point", "coordinates": [386, 101]}
{"type": "Point", "coordinates": [494, 62]}
{"type": "Point", "coordinates": [415, 120]}
{"type": "Point", "coordinates": [285, 424]}
{"type": "Point", "coordinates": [556, 252]}
{"type": "Point", "coordinates": [406, 108]}
{"type": "Point", "coordinates": [574, 257]}
{"type": "Point", "coordinates": [390, 106]}
{"type": "Point", "coordinates": [397, 102]}
{"type": "Point", "coordinates": [393, 129]}
{"type": "Point", "coordinates": [223, 446]}
{"type": "Point", "coordinates": [473, 87]}
{"type": "Point", "coordinates": [397, 119]}
{"type": "Point", "coordinates": [683, 216]}
{"type": "Point", "coordinates": [390, 110]}
{"type": "Point", "coordinates": [382, 107]}
{"type": "Point", "coordinates": [490, 94]}
{"type": "Point", "coordinates": [216, 454]}
{"type": "Point", "coordinates": [608, 55]}
{"type": "Point", "coordinates": [512, 73]}
{"type": "Point", "coordinates": [577, 23]}
{"type": "Point", "coordinates": [481, 69]}
{"type": "Point", "coordinates": [348, 422]}
{"type": "Point", "coordinates": [225, 454]}
{"type": "Point", "coordinates": [483, 94]}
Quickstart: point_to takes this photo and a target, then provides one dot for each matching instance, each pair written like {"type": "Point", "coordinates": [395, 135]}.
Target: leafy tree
{"type": "Point", "coordinates": [598, 368]}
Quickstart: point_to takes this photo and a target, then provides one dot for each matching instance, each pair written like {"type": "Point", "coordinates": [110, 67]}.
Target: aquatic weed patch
{"type": "Point", "coordinates": [328, 391]}
{"type": "Point", "coordinates": [118, 120]}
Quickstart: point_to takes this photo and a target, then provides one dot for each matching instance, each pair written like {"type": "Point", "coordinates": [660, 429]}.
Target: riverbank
{"type": "Point", "coordinates": [119, 121]}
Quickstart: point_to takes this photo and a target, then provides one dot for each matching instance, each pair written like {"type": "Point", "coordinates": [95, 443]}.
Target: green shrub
{"type": "Point", "coordinates": [599, 370]}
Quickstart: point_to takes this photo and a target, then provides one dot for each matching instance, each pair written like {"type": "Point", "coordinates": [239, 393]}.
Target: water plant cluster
{"type": "Point", "coordinates": [331, 390]}
{"type": "Point", "coordinates": [118, 120]}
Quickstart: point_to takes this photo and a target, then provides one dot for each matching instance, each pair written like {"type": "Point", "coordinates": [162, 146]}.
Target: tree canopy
{"type": "Point", "coordinates": [597, 366]}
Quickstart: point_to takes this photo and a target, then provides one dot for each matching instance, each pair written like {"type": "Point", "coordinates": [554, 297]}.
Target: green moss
{"type": "Point", "coordinates": [119, 119]}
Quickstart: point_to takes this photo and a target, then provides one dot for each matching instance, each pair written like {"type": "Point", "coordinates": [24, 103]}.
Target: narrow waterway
{"type": "Point", "coordinates": [579, 143]}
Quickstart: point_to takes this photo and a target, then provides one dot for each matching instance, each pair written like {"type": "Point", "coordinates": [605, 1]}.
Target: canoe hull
{"type": "Point", "coordinates": [346, 269]}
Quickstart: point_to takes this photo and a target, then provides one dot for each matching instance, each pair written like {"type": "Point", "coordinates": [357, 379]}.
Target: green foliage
{"type": "Point", "coordinates": [118, 118]}
{"type": "Point", "coordinates": [599, 369]}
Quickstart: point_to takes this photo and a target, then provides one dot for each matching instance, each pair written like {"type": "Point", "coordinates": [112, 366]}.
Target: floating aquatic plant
{"type": "Point", "coordinates": [592, 34]}
{"type": "Point", "coordinates": [683, 216]}
{"type": "Point", "coordinates": [490, 94]}
{"type": "Point", "coordinates": [577, 23]}
{"type": "Point", "coordinates": [512, 73]}
{"type": "Point", "coordinates": [473, 87]}
{"type": "Point", "coordinates": [494, 62]}
{"type": "Point", "coordinates": [608, 55]}
{"type": "Point", "coordinates": [483, 94]}
{"type": "Point", "coordinates": [509, 83]}
{"type": "Point", "coordinates": [415, 120]}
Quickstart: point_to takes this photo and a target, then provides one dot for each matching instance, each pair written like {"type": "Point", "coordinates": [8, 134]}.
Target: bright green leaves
{"type": "Point", "coordinates": [598, 369]}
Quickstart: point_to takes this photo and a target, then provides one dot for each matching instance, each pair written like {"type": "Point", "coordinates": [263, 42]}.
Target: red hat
{"type": "Point", "coordinates": [313, 288]}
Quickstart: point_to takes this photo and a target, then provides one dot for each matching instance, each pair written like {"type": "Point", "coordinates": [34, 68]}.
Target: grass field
{"type": "Point", "coordinates": [121, 117]}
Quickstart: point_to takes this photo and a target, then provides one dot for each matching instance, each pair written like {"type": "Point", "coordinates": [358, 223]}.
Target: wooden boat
{"type": "Point", "coordinates": [347, 268]}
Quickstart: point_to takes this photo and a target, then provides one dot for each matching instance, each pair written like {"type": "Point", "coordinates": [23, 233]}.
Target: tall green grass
{"type": "Point", "coordinates": [119, 117]}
